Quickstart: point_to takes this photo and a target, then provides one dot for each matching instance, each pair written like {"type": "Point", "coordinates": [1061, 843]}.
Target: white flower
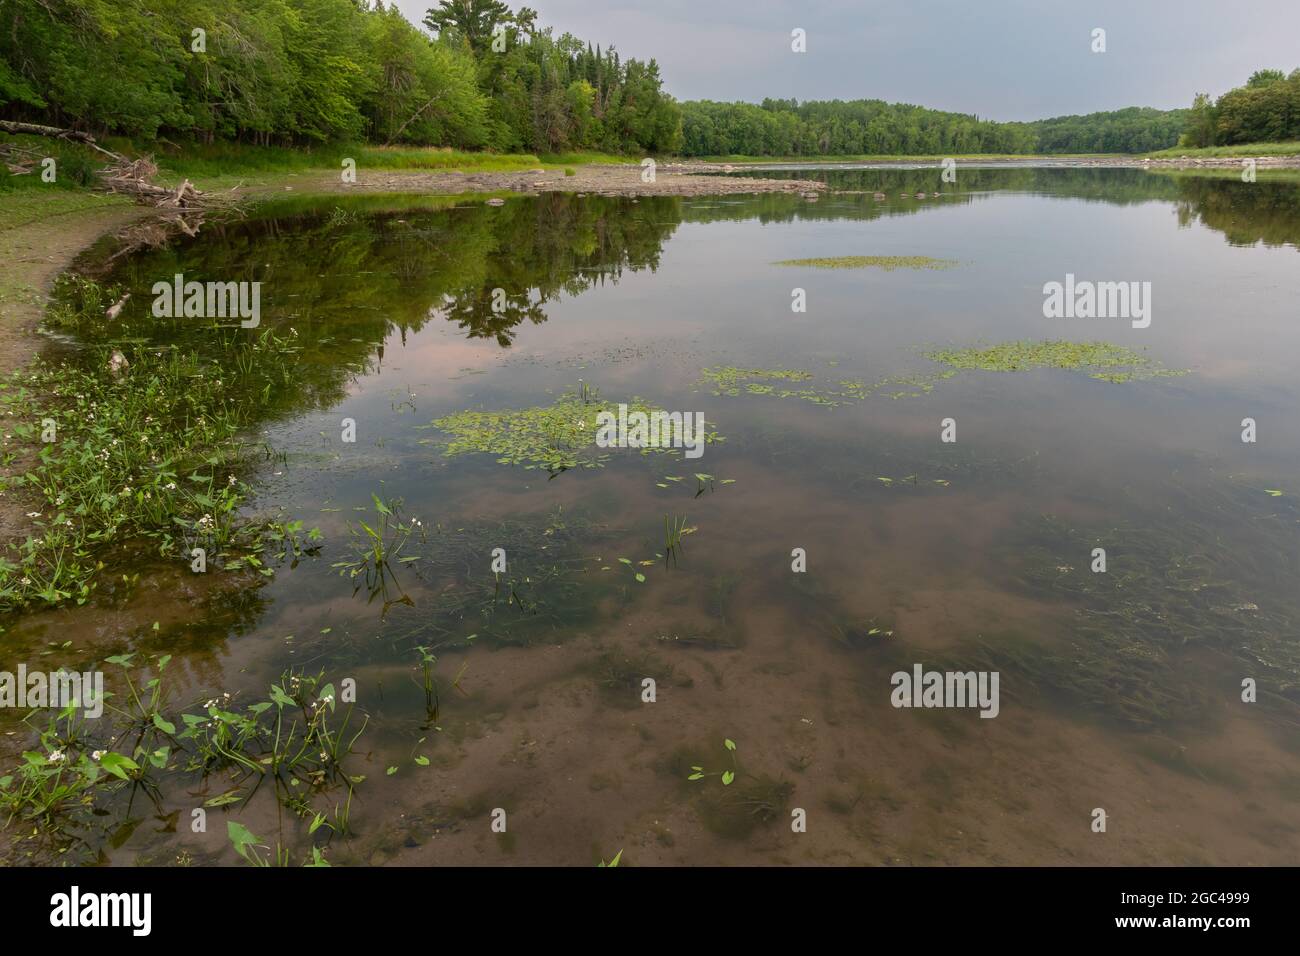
{"type": "Point", "coordinates": [56, 756]}
{"type": "Point", "coordinates": [97, 754]}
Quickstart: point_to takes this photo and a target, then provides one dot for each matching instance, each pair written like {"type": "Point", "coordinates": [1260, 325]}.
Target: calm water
{"type": "Point", "coordinates": [1119, 691]}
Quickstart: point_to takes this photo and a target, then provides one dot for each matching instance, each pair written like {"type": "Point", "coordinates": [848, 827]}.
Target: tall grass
{"type": "Point", "coordinates": [220, 160]}
{"type": "Point", "coordinates": [1241, 149]}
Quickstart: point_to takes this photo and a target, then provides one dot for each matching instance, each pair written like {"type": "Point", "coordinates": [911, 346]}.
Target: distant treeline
{"type": "Point", "coordinates": [297, 71]}
{"type": "Point", "coordinates": [291, 72]}
{"type": "Point", "coordinates": [874, 127]}
{"type": "Point", "coordinates": [1265, 110]}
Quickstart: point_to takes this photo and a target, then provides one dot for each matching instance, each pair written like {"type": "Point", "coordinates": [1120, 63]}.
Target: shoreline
{"type": "Point", "coordinates": [1044, 162]}
{"type": "Point", "coordinates": [592, 179]}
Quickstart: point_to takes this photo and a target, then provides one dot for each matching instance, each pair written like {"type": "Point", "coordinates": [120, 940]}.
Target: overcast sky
{"type": "Point", "coordinates": [1000, 59]}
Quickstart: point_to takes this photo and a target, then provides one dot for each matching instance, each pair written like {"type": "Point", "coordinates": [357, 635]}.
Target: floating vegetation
{"type": "Point", "coordinates": [555, 437]}
{"type": "Point", "coordinates": [888, 263]}
{"type": "Point", "coordinates": [732, 381]}
{"type": "Point", "coordinates": [1102, 360]}
{"type": "Point", "coordinates": [910, 480]}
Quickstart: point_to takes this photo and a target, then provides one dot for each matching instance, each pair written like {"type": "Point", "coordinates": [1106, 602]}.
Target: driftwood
{"type": "Point", "coordinates": [131, 176]}
{"type": "Point", "coordinates": [128, 176]}
{"type": "Point", "coordinates": [35, 129]}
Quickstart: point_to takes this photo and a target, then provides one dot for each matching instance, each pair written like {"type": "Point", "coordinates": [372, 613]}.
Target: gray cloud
{"type": "Point", "coordinates": [1001, 59]}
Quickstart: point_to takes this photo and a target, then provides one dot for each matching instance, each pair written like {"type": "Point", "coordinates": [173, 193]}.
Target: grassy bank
{"type": "Point", "coordinates": [1243, 149]}
{"type": "Point", "coordinates": [217, 165]}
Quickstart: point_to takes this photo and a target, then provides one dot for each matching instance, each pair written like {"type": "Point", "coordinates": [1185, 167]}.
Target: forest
{"type": "Point", "coordinates": [484, 76]}
{"type": "Point", "coordinates": [873, 127]}
{"type": "Point", "coordinates": [291, 72]}
{"type": "Point", "coordinates": [1265, 110]}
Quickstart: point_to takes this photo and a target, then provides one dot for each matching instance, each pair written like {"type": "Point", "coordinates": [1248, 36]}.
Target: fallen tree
{"type": "Point", "coordinates": [123, 175]}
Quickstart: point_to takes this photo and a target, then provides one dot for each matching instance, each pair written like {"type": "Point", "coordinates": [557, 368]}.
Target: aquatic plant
{"type": "Point", "coordinates": [674, 530]}
{"type": "Point", "coordinates": [376, 550]}
{"type": "Point", "coordinates": [54, 787]}
{"type": "Point", "coordinates": [1127, 653]}
{"type": "Point", "coordinates": [1102, 360]}
{"type": "Point", "coordinates": [553, 437]}
{"type": "Point", "coordinates": [727, 776]}
{"type": "Point", "coordinates": [153, 453]}
{"type": "Point", "coordinates": [888, 263]}
{"type": "Point", "coordinates": [246, 844]}
{"type": "Point", "coordinates": [65, 787]}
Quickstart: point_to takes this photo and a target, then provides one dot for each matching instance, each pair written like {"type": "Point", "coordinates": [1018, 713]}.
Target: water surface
{"type": "Point", "coordinates": [1120, 691]}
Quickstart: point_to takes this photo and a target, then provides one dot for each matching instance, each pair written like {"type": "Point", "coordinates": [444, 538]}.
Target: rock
{"type": "Point", "coordinates": [496, 202]}
{"type": "Point", "coordinates": [920, 195]}
{"type": "Point", "coordinates": [878, 197]}
{"type": "Point", "coordinates": [115, 309]}
{"type": "Point", "coordinates": [117, 363]}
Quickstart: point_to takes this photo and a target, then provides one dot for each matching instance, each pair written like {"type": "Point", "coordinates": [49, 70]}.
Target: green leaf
{"type": "Point", "coordinates": [230, 796]}
{"type": "Point", "coordinates": [242, 839]}
{"type": "Point", "coordinates": [422, 760]}
{"type": "Point", "coordinates": [729, 744]}
{"type": "Point", "coordinates": [727, 777]}
{"type": "Point", "coordinates": [166, 726]}
{"type": "Point", "coordinates": [117, 764]}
